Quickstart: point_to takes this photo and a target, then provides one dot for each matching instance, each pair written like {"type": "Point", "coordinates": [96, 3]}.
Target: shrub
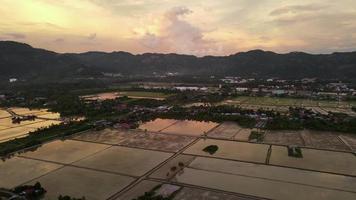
{"type": "Point", "coordinates": [211, 149]}
{"type": "Point", "coordinates": [294, 151]}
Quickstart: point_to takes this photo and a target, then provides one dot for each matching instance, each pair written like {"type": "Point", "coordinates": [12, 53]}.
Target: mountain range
{"type": "Point", "coordinates": [22, 60]}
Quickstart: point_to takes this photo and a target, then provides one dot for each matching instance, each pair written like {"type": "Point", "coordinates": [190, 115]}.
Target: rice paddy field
{"type": "Point", "coordinates": [312, 139]}
{"type": "Point", "coordinates": [130, 94]}
{"type": "Point", "coordinates": [125, 164]}
{"type": "Point", "coordinates": [282, 104]}
{"type": "Point", "coordinates": [10, 130]}
{"type": "Point", "coordinates": [178, 127]}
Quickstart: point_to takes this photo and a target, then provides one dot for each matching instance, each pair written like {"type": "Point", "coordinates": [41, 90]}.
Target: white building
{"type": "Point", "coordinates": [241, 89]}
{"type": "Point", "coordinates": [11, 80]}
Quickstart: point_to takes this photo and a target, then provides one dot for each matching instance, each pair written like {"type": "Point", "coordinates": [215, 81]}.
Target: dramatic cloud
{"type": "Point", "coordinates": [175, 34]}
{"type": "Point", "coordinates": [197, 27]}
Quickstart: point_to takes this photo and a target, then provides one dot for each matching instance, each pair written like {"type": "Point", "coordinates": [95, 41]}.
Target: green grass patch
{"type": "Point", "coordinates": [211, 149]}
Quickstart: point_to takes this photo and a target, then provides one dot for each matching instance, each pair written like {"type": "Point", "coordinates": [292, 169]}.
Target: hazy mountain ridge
{"type": "Point", "coordinates": [17, 59]}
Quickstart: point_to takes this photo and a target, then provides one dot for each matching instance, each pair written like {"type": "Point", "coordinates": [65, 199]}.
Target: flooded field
{"type": "Point", "coordinates": [139, 190]}
{"type": "Point", "coordinates": [107, 136]}
{"type": "Point", "coordinates": [317, 179]}
{"type": "Point", "coordinates": [4, 114]}
{"type": "Point", "coordinates": [10, 130]}
{"type": "Point", "coordinates": [130, 94]}
{"type": "Point", "coordinates": [323, 140]}
{"type": "Point", "coordinates": [79, 182]}
{"type": "Point", "coordinates": [157, 124]}
{"type": "Point", "coordinates": [308, 138]}
{"type": "Point", "coordinates": [26, 111]}
{"type": "Point", "coordinates": [194, 193]}
{"type": "Point", "coordinates": [7, 122]}
{"type": "Point", "coordinates": [17, 132]}
{"type": "Point", "coordinates": [115, 158]}
{"type": "Point", "coordinates": [171, 168]}
{"type": "Point", "coordinates": [349, 140]}
{"type": "Point", "coordinates": [178, 127]}
{"type": "Point", "coordinates": [184, 193]}
{"type": "Point", "coordinates": [231, 150]}
{"type": "Point", "coordinates": [17, 171]}
{"type": "Point", "coordinates": [144, 95]}
{"type": "Point", "coordinates": [102, 96]}
{"type": "Point", "coordinates": [283, 104]}
{"type": "Point", "coordinates": [259, 187]}
{"type": "Point", "coordinates": [326, 161]}
{"type": "Point", "coordinates": [284, 138]}
{"type": "Point", "coordinates": [191, 128]}
{"type": "Point", "coordinates": [67, 151]}
{"type": "Point", "coordinates": [243, 135]}
{"type": "Point", "coordinates": [226, 130]}
{"type": "Point", "coordinates": [124, 160]}
{"type": "Point", "coordinates": [157, 141]}
{"type": "Point", "coordinates": [43, 124]}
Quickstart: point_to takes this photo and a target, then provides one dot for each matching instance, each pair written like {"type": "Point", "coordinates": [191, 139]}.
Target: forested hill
{"type": "Point", "coordinates": [22, 60]}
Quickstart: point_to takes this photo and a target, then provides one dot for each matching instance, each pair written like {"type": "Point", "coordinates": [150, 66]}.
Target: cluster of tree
{"type": "Point", "coordinates": [31, 192]}
{"type": "Point", "coordinates": [211, 149]}
{"type": "Point", "coordinates": [284, 123]}
{"type": "Point", "coordinates": [215, 114]}
{"type": "Point", "coordinates": [347, 125]}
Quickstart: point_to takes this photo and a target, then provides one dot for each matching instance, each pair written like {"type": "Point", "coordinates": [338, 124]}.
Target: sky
{"type": "Point", "coordinates": [198, 27]}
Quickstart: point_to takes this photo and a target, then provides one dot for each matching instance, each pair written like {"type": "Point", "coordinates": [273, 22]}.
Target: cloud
{"type": "Point", "coordinates": [59, 40]}
{"type": "Point", "coordinates": [319, 28]}
{"type": "Point", "coordinates": [199, 27]}
{"type": "Point", "coordinates": [15, 36]}
{"type": "Point", "coordinates": [91, 36]}
{"type": "Point", "coordinates": [294, 9]}
{"type": "Point", "coordinates": [174, 33]}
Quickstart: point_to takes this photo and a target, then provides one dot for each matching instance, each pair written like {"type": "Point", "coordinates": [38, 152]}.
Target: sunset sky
{"type": "Point", "coordinates": [199, 27]}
